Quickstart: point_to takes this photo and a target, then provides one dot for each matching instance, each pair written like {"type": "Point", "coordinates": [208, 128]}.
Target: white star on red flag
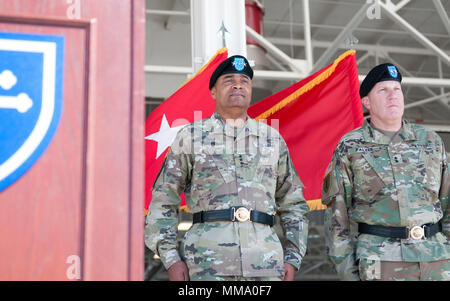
{"type": "Point", "coordinates": [165, 136]}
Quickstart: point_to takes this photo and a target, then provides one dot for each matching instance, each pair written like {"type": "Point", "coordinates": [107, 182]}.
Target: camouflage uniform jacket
{"type": "Point", "coordinates": [404, 182]}
{"type": "Point", "coordinates": [217, 170]}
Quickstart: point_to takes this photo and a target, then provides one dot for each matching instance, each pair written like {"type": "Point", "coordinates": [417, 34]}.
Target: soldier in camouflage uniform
{"type": "Point", "coordinates": [387, 192]}
{"type": "Point", "coordinates": [236, 173]}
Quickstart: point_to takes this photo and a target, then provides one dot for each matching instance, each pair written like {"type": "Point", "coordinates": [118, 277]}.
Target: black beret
{"type": "Point", "coordinates": [233, 64]}
{"type": "Point", "coordinates": [379, 73]}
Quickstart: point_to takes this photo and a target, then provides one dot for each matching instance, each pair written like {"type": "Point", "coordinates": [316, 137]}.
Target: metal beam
{"type": "Point", "coordinates": [439, 64]}
{"type": "Point", "coordinates": [398, 6]}
{"type": "Point", "coordinates": [277, 75]}
{"type": "Point", "coordinates": [406, 81]}
{"type": "Point", "coordinates": [329, 52]}
{"type": "Point", "coordinates": [168, 69]}
{"type": "Point", "coordinates": [426, 81]}
{"type": "Point", "coordinates": [364, 57]}
{"type": "Point", "coordinates": [340, 27]}
{"type": "Point", "coordinates": [421, 81]}
{"type": "Point", "coordinates": [446, 106]}
{"type": "Point", "coordinates": [401, 4]}
{"type": "Point", "coordinates": [444, 17]}
{"type": "Point", "coordinates": [365, 47]}
{"type": "Point", "coordinates": [159, 12]}
{"type": "Point", "coordinates": [275, 62]}
{"type": "Point", "coordinates": [275, 51]}
{"type": "Point", "coordinates": [415, 33]}
{"type": "Point", "coordinates": [427, 100]}
{"type": "Point", "coordinates": [167, 23]}
{"type": "Point", "coordinates": [290, 75]}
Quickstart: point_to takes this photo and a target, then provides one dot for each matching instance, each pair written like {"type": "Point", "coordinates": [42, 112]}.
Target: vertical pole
{"type": "Point", "coordinates": [444, 100]}
{"type": "Point", "coordinates": [439, 63]}
{"type": "Point", "coordinates": [217, 24]}
{"type": "Point", "coordinates": [307, 32]}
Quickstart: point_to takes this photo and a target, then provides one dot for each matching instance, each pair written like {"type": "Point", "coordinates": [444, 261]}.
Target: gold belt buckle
{"type": "Point", "coordinates": [242, 214]}
{"type": "Point", "coordinates": [417, 232]}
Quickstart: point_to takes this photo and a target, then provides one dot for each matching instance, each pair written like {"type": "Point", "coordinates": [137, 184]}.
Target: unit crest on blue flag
{"type": "Point", "coordinates": [31, 75]}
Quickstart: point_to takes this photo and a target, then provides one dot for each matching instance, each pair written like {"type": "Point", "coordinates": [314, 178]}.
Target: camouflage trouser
{"type": "Point", "coordinates": [209, 277]}
{"type": "Point", "coordinates": [400, 270]}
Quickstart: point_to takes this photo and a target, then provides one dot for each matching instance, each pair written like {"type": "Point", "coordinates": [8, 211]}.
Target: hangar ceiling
{"type": "Point", "coordinates": [413, 34]}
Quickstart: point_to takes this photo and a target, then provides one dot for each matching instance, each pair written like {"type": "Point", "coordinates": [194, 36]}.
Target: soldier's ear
{"type": "Point", "coordinates": [366, 102]}
{"type": "Point", "coordinates": [213, 92]}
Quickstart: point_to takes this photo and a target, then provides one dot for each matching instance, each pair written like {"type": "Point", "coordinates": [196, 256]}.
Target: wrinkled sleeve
{"type": "Point", "coordinates": [444, 195]}
{"type": "Point", "coordinates": [337, 196]}
{"type": "Point", "coordinates": [292, 209]}
{"type": "Point", "coordinates": [162, 218]}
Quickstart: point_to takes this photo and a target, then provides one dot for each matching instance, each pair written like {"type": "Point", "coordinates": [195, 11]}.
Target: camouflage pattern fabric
{"type": "Point", "coordinates": [403, 181]}
{"type": "Point", "coordinates": [219, 166]}
{"type": "Point", "coordinates": [214, 277]}
{"type": "Point", "coordinates": [404, 271]}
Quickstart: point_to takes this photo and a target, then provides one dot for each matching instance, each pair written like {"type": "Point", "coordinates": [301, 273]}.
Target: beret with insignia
{"type": "Point", "coordinates": [233, 64]}
{"type": "Point", "coordinates": [383, 72]}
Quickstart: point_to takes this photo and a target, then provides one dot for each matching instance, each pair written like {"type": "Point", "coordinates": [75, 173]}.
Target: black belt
{"type": "Point", "coordinates": [236, 213]}
{"type": "Point", "coordinates": [417, 232]}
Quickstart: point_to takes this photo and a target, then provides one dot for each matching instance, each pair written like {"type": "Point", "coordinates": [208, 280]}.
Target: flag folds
{"type": "Point", "coordinates": [191, 102]}
{"type": "Point", "coordinates": [312, 115]}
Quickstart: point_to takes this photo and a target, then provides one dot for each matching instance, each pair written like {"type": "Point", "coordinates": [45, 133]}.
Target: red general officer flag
{"type": "Point", "coordinates": [191, 102]}
{"type": "Point", "coordinates": [313, 115]}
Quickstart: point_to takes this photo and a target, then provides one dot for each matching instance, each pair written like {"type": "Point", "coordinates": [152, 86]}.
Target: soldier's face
{"type": "Point", "coordinates": [232, 93]}
{"type": "Point", "coordinates": [385, 101]}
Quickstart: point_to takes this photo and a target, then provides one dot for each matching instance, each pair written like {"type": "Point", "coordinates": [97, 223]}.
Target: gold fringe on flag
{"type": "Point", "coordinates": [220, 51]}
{"type": "Point", "coordinates": [307, 87]}
{"type": "Point", "coordinates": [316, 205]}
{"type": "Point", "coordinates": [313, 204]}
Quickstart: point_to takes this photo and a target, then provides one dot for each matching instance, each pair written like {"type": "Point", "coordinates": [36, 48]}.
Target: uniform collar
{"type": "Point", "coordinates": [371, 135]}
{"type": "Point", "coordinates": [250, 127]}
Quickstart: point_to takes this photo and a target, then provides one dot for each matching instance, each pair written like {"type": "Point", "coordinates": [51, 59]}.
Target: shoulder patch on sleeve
{"type": "Point", "coordinates": [329, 185]}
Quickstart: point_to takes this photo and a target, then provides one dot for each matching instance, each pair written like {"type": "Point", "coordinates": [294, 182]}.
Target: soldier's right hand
{"type": "Point", "coordinates": [178, 272]}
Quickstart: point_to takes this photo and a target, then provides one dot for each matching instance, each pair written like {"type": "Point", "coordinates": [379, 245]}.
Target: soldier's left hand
{"type": "Point", "coordinates": [289, 272]}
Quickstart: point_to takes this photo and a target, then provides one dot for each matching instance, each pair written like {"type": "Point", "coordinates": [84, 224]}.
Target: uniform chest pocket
{"type": "Point", "coordinates": [428, 171]}
{"type": "Point", "coordinates": [371, 172]}
{"type": "Point", "coordinates": [224, 164]}
{"type": "Point", "coordinates": [210, 173]}
{"type": "Point", "coordinates": [267, 163]}
{"type": "Point", "coordinates": [410, 165]}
